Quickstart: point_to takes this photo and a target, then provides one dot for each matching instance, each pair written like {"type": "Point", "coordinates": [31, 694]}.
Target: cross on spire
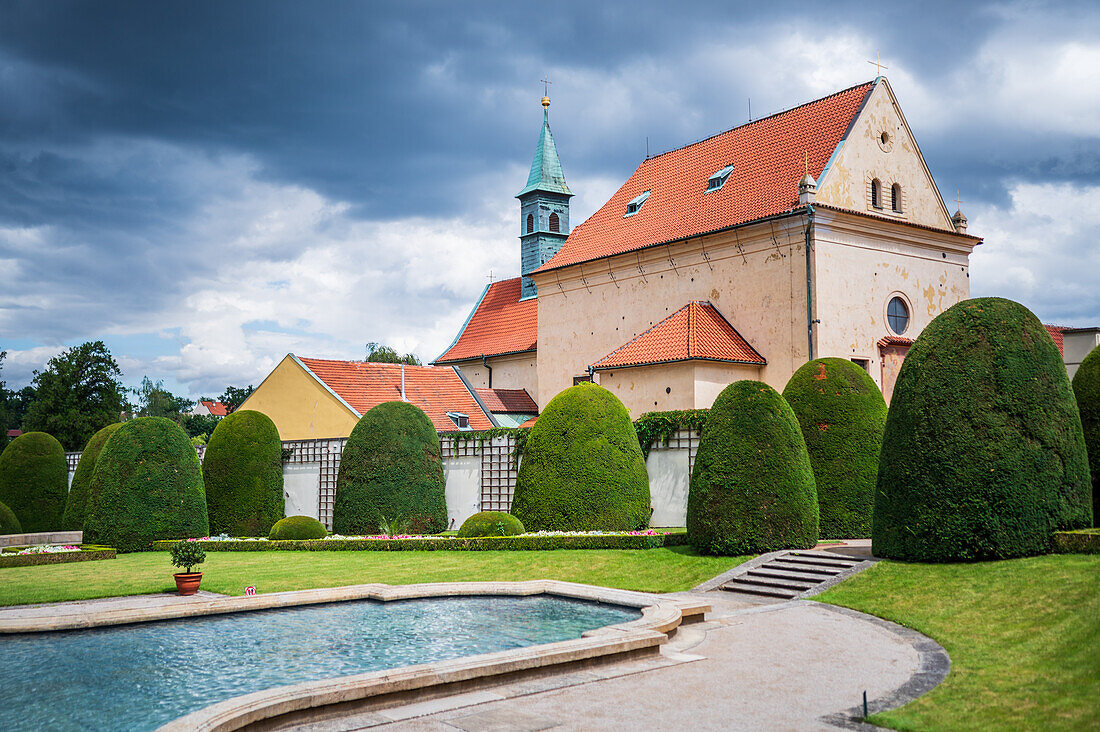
{"type": "Point", "coordinates": [878, 64]}
{"type": "Point", "coordinates": [958, 201]}
{"type": "Point", "coordinates": [546, 85]}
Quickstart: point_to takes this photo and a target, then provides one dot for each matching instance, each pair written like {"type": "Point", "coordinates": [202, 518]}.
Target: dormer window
{"type": "Point", "coordinates": [635, 204]}
{"type": "Point", "coordinates": [530, 223]}
{"type": "Point", "coordinates": [718, 180]}
{"type": "Point", "coordinates": [555, 223]}
{"type": "Point", "coordinates": [462, 421]}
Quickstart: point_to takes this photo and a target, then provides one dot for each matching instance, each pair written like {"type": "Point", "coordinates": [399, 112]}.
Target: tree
{"type": "Point", "coordinates": [233, 397]}
{"type": "Point", "coordinates": [13, 405]}
{"type": "Point", "coordinates": [79, 393]}
{"type": "Point", "coordinates": [156, 401]}
{"type": "Point", "coordinates": [377, 353]}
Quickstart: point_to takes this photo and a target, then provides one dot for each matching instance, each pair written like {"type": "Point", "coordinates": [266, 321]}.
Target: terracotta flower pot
{"type": "Point", "coordinates": [188, 582]}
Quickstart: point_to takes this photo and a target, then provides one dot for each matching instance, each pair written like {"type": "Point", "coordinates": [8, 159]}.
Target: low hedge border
{"type": "Point", "coordinates": [445, 543]}
{"type": "Point", "coordinates": [1085, 541]}
{"type": "Point", "coordinates": [87, 553]}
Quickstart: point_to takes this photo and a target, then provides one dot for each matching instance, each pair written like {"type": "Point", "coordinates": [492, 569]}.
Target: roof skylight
{"type": "Point", "coordinates": [718, 180]}
{"type": "Point", "coordinates": [635, 204]}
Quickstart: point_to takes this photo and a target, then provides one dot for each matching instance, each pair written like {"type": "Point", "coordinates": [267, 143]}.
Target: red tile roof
{"type": "Point", "coordinates": [435, 390]}
{"type": "Point", "coordinates": [515, 401]}
{"type": "Point", "coordinates": [893, 340]}
{"type": "Point", "coordinates": [769, 156]}
{"type": "Point", "coordinates": [501, 323]}
{"type": "Point", "coordinates": [695, 331]}
{"type": "Point", "coordinates": [1056, 333]}
{"type": "Point", "coordinates": [216, 409]}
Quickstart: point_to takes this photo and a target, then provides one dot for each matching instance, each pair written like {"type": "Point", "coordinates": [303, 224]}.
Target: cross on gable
{"type": "Point", "coordinates": [878, 64]}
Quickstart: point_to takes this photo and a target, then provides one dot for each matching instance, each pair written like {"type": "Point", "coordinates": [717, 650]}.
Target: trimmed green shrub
{"type": "Point", "coordinates": [9, 524]}
{"type": "Point", "coordinates": [34, 480]}
{"type": "Point", "coordinates": [1086, 387]}
{"type": "Point", "coordinates": [491, 523]}
{"type": "Point", "coordinates": [1085, 541]}
{"type": "Point", "coordinates": [242, 472]}
{"type": "Point", "coordinates": [983, 455]}
{"type": "Point", "coordinates": [583, 469]}
{"type": "Point", "coordinates": [842, 415]}
{"type": "Point", "coordinates": [297, 527]}
{"type": "Point", "coordinates": [73, 518]}
{"type": "Point", "coordinates": [752, 488]}
{"type": "Point", "coordinates": [87, 553]}
{"type": "Point", "coordinates": [391, 470]}
{"type": "Point", "coordinates": [147, 485]}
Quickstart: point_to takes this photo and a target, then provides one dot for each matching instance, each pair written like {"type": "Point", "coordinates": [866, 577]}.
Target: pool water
{"type": "Point", "coordinates": [138, 677]}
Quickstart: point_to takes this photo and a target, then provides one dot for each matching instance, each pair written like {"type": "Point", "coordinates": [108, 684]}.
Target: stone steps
{"type": "Point", "coordinates": [791, 574]}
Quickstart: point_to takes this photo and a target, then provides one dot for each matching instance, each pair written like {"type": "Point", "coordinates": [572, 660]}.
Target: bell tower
{"type": "Point", "coordinates": [543, 207]}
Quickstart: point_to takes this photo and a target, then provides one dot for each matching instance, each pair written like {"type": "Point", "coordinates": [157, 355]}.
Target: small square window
{"type": "Point", "coordinates": [587, 378]}
{"type": "Point", "coordinates": [863, 363]}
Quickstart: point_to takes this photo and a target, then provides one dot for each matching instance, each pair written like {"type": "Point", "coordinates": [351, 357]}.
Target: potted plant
{"type": "Point", "coordinates": [188, 555]}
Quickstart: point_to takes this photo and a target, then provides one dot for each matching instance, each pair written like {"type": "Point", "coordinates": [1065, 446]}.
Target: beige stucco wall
{"type": "Point", "coordinates": [518, 371]}
{"type": "Point", "coordinates": [758, 283]}
{"type": "Point", "coordinates": [300, 407]}
{"type": "Point", "coordinates": [1078, 345]}
{"type": "Point", "coordinates": [846, 182]}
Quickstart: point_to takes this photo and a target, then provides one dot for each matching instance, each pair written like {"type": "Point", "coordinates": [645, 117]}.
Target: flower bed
{"type": "Point", "coordinates": [53, 554]}
{"type": "Point", "coordinates": [1084, 541]}
{"type": "Point", "coordinates": [540, 541]}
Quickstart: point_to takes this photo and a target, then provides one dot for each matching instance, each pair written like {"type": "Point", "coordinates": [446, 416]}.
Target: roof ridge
{"type": "Point", "coordinates": [761, 119]}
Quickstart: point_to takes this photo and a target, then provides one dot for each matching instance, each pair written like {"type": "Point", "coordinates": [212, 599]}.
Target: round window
{"type": "Point", "coordinates": [897, 315]}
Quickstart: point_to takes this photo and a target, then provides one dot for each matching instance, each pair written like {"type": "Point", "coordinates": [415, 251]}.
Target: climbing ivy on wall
{"type": "Point", "coordinates": [653, 426]}
{"type": "Point", "coordinates": [519, 435]}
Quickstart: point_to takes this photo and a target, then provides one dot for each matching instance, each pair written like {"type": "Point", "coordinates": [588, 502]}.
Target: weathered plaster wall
{"type": "Point", "coordinates": [712, 377]}
{"type": "Point", "coordinates": [643, 389]}
{"type": "Point", "coordinates": [300, 407]}
{"type": "Point", "coordinates": [863, 156]}
{"type": "Point", "coordinates": [756, 278]}
{"type": "Point", "coordinates": [518, 371]}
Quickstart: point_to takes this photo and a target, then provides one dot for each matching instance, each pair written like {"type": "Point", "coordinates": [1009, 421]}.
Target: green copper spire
{"type": "Point", "coordinates": [546, 173]}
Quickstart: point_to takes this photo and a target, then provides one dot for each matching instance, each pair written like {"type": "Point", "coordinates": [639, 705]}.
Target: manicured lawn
{"type": "Point", "coordinates": [1023, 636]}
{"type": "Point", "coordinates": [651, 570]}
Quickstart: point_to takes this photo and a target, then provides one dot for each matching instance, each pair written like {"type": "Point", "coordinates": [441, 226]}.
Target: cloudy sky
{"type": "Point", "coordinates": [207, 186]}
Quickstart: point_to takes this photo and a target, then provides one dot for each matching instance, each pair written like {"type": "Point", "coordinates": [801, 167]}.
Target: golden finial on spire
{"type": "Point", "coordinates": [546, 91]}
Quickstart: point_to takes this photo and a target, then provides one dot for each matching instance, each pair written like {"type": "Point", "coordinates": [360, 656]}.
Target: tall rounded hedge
{"type": "Point", "coordinates": [9, 524]}
{"type": "Point", "coordinates": [1086, 387]}
{"type": "Point", "coordinates": [582, 468]}
{"type": "Point", "coordinates": [147, 486]}
{"type": "Point", "coordinates": [752, 487]}
{"type": "Point", "coordinates": [243, 475]}
{"type": "Point", "coordinates": [73, 518]}
{"type": "Point", "coordinates": [391, 470]}
{"type": "Point", "coordinates": [983, 455]}
{"type": "Point", "coordinates": [34, 480]}
{"type": "Point", "coordinates": [842, 415]}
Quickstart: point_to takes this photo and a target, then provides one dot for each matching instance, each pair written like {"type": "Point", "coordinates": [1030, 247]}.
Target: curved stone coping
{"type": "Point", "coordinates": [43, 537]}
{"type": "Point", "coordinates": [660, 615]}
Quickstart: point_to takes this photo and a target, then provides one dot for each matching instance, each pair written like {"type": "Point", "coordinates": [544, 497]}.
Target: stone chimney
{"type": "Point", "coordinates": [959, 220]}
{"type": "Point", "coordinates": [807, 190]}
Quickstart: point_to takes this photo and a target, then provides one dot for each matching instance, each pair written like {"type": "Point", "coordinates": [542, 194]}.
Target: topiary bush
{"type": "Point", "coordinates": [1086, 387]}
{"type": "Point", "coordinates": [9, 524]}
{"type": "Point", "coordinates": [73, 517]}
{"type": "Point", "coordinates": [147, 485]}
{"type": "Point", "coordinates": [391, 470]}
{"type": "Point", "coordinates": [34, 480]}
{"type": "Point", "coordinates": [491, 523]}
{"type": "Point", "coordinates": [582, 467]}
{"type": "Point", "coordinates": [297, 527]}
{"type": "Point", "coordinates": [983, 455]}
{"type": "Point", "coordinates": [242, 472]}
{"type": "Point", "coordinates": [752, 487]}
{"type": "Point", "coordinates": [842, 415]}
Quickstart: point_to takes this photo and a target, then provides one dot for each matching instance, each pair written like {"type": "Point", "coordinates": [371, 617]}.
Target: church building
{"type": "Point", "coordinates": [817, 231]}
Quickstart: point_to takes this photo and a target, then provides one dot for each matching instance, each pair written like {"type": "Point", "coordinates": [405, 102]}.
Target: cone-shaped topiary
{"type": "Point", "coordinates": [752, 488]}
{"type": "Point", "coordinates": [34, 480]}
{"type": "Point", "coordinates": [242, 472]}
{"type": "Point", "coordinates": [73, 518]}
{"type": "Point", "coordinates": [842, 415]}
{"type": "Point", "coordinates": [582, 468]}
{"type": "Point", "coordinates": [297, 527]}
{"type": "Point", "coordinates": [1086, 387]}
{"type": "Point", "coordinates": [9, 524]}
{"type": "Point", "coordinates": [490, 523]}
{"type": "Point", "coordinates": [983, 455]}
{"type": "Point", "coordinates": [391, 470]}
{"type": "Point", "coordinates": [147, 486]}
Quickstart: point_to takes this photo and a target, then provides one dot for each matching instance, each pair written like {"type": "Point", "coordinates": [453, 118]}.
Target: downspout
{"type": "Point", "coordinates": [809, 284]}
{"type": "Point", "coordinates": [403, 383]}
{"type": "Point", "coordinates": [489, 368]}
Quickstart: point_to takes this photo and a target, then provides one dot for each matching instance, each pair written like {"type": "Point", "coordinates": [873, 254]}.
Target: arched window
{"type": "Point", "coordinates": [895, 198]}
{"type": "Point", "coordinates": [876, 193]}
{"type": "Point", "coordinates": [530, 223]}
{"type": "Point", "coordinates": [555, 224]}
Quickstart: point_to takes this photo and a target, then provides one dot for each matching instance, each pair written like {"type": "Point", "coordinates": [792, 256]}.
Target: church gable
{"type": "Point", "coordinates": [879, 169]}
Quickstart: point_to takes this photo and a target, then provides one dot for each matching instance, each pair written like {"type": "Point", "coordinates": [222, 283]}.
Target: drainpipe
{"type": "Point", "coordinates": [809, 284]}
{"type": "Point", "coordinates": [489, 368]}
{"type": "Point", "coordinates": [403, 383]}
